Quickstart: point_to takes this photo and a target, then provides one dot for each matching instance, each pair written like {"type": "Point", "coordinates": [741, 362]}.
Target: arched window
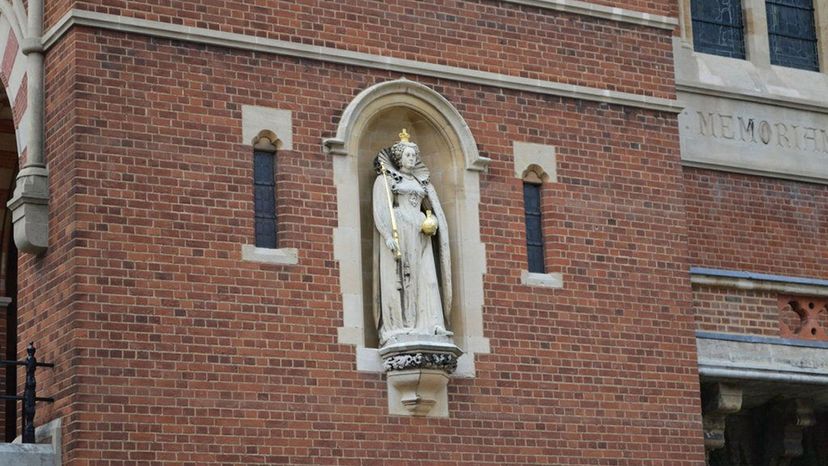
{"type": "Point", "coordinates": [535, 165]}
{"type": "Point", "coordinates": [264, 189]}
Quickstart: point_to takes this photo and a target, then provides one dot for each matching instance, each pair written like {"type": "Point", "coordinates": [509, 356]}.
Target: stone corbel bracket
{"type": "Point", "coordinates": [30, 202]}
{"type": "Point", "coordinates": [719, 399]}
{"type": "Point", "coordinates": [783, 436]}
{"type": "Point", "coordinates": [417, 372]}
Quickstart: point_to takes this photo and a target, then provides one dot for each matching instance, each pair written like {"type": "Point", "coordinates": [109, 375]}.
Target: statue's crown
{"type": "Point", "coordinates": [404, 136]}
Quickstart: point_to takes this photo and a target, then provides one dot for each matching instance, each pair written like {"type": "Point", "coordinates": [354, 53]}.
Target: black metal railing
{"type": "Point", "coordinates": [29, 397]}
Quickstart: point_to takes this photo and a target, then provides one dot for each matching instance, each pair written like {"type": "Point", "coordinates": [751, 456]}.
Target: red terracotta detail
{"type": "Point", "coordinates": [811, 313]}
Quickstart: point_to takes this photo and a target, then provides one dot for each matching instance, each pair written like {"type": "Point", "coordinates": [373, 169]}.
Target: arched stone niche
{"type": "Point", "coordinates": [371, 122]}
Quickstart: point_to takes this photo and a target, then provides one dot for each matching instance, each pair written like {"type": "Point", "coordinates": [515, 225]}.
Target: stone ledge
{"type": "Point", "coordinates": [543, 280]}
{"type": "Point", "coordinates": [281, 256]}
{"type": "Point", "coordinates": [595, 10]}
{"type": "Point", "coordinates": [758, 281]}
{"type": "Point", "coordinates": [730, 358]}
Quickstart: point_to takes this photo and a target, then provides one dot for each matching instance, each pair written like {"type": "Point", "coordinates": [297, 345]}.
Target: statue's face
{"type": "Point", "coordinates": [409, 158]}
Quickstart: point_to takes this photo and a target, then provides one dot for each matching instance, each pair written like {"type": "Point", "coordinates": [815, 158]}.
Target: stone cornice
{"type": "Point", "coordinates": [332, 55]}
{"type": "Point", "coordinates": [604, 12]}
{"type": "Point", "coordinates": [758, 281]}
{"type": "Point", "coordinates": [756, 97]}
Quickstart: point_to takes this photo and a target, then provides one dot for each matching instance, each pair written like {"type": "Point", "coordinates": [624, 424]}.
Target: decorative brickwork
{"type": "Point", "coordinates": [803, 317]}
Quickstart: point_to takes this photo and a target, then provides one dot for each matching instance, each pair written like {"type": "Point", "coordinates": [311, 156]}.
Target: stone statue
{"type": "Point", "coordinates": [412, 263]}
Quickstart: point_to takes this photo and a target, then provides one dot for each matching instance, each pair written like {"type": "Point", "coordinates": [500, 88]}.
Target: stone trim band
{"type": "Point", "coordinates": [758, 281]}
{"type": "Point", "coordinates": [327, 54]}
{"type": "Point", "coordinates": [605, 12]}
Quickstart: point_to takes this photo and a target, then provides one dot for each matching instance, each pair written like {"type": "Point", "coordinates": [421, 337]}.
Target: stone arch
{"type": "Point", "coordinates": [14, 135]}
{"type": "Point", "coordinates": [370, 122]}
{"type": "Point", "coordinates": [14, 73]}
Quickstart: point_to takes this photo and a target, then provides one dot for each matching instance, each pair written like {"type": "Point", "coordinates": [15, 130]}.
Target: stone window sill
{"type": "Point", "coordinates": [281, 256]}
{"type": "Point", "coordinates": [544, 280]}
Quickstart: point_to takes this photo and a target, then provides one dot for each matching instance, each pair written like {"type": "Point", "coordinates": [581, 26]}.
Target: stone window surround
{"type": "Point", "coordinates": [540, 159]}
{"type": "Point", "coordinates": [268, 129]}
{"type": "Point", "coordinates": [752, 88]}
{"type": "Point", "coordinates": [753, 79]}
{"type": "Point", "coordinates": [757, 47]}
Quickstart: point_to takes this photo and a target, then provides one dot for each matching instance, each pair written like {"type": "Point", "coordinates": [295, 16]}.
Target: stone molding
{"type": "Point", "coordinates": [595, 10]}
{"type": "Point", "coordinates": [77, 17]}
{"type": "Point", "coordinates": [255, 119]}
{"type": "Point", "coordinates": [280, 256]}
{"type": "Point", "coordinates": [527, 154]}
{"type": "Point", "coordinates": [543, 280]}
{"type": "Point", "coordinates": [757, 281]}
{"type": "Point", "coordinates": [726, 357]}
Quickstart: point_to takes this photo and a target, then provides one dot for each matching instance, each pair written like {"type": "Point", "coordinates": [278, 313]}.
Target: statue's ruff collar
{"type": "Point", "coordinates": [420, 171]}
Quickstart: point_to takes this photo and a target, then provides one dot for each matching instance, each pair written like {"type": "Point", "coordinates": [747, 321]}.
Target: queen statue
{"type": "Point", "coordinates": [412, 263]}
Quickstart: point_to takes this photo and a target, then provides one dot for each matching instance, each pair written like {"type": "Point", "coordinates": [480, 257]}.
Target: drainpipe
{"type": "Point", "coordinates": [30, 203]}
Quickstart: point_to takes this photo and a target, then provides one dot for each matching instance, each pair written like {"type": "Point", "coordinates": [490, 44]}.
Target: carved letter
{"type": "Point", "coordinates": [727, 129]}
{"type": "Point", "coordinates": [706, 127]}
{"type": "Point", "coordinates": [747, 128]}
{"type": "Point", "coordinates": [782, 134]}
{"type": "Point", "coordinates": [765, 132]}
{"type": "Point", "coordinates": [796, 137]}
{"type": "Point", "coordinates": [810, 135]}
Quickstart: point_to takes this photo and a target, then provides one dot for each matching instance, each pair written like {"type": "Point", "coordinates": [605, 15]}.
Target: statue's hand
{"type": "Point", "coordinates": [392, 245]}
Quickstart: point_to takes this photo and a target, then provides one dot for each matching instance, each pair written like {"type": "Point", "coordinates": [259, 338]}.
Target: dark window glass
{"type": "Point", "coordinates": [792, 34]}
{"type": "Point", "coordinates": [264, 198]}
{"type": "Point", "coordinates": [718, 27]}
{"type": "Point", "coordinates": [534, 236]}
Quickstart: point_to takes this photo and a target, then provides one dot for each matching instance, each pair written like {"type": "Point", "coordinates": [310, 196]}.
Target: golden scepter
{"type": "Point", "coordinates": [394, 231]}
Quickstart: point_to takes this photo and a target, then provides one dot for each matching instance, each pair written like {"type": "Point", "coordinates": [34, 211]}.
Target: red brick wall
{"type": "Point", "coordinates": [273, 15]}
{"type": "Point", "coordinates": [751, 223]}
{"type": "Point", "coordinates": [736, 311]}
{"type": "Point", "coordinates": [171, 349]}
{"type": "Point", "coordinates": [48, 292]}
{"type": "Point", "coordinates": [484, 35]}
{"type": "Point", "coordinates": [756, 224]}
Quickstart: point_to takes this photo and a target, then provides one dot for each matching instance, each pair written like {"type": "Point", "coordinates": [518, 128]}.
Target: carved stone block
{"type": "Point", "coordinates": [418, 370]}
{"type": "Point", "coordinates": [418, 392]}
{"type": "Point", "coordinates": [718, 400]}
{"type": "Point", "coordinates": [783, 435]}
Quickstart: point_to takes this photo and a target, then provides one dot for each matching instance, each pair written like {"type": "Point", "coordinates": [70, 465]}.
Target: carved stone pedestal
{"type": "Point", "coordinates": [418, 371]}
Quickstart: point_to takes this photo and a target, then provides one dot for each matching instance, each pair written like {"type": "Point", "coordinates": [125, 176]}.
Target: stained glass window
{"type": "Point", "coordinates": [534, 236]}
{"type": "Point", "coordinates": [718, 28]}
{"type": "Point", "coordinates": [264, 198]}
{"type": "Point", "coordinates": [792, 34]}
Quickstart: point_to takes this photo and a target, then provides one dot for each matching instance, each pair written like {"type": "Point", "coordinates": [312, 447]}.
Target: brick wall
{"type": "Point", "coordinates": [736, 311]}
{"type": "Point", "coordinates": [171, 349]}
{"type": "Point", "coordinates": [751, 223]}
{"type": "Point", "coordinates": [48, 292]}
{"type": "Point", "coordinates": [485, 36]}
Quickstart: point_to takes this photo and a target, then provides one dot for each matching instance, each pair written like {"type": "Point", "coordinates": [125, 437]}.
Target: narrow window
{"type": "Point", "coordinates": [718, 28]}
{"type": "Point", "coordinates": [264, 185]}
{"type": "Point", "coordinates": [534, 236]}
{"type": "Point", "coordinates": [792, 34]}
